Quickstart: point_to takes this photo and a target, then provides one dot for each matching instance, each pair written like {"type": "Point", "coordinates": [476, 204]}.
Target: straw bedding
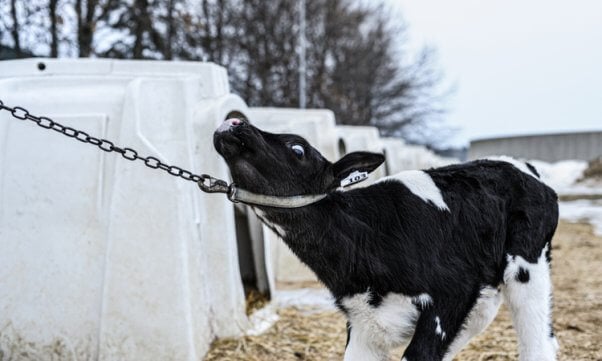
{"type": "Point", "coordinates": [577, 266]}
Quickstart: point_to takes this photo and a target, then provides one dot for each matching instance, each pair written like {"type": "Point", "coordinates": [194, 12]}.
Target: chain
{"type": "Point", "coordinates": [206, 182]}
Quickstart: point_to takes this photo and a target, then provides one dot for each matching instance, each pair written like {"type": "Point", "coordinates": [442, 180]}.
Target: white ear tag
{"type": "Point", "coordinates": [354, 177]}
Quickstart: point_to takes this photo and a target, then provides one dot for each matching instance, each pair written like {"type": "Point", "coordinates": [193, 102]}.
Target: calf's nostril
{"type": "Point", "coordinates": [234, 121]}
{"type": "Point", "coordinates": [229, 123]}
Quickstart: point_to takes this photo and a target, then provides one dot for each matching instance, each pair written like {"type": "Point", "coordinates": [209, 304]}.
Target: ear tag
{"type": "Point", "coordinates": [354, 177]}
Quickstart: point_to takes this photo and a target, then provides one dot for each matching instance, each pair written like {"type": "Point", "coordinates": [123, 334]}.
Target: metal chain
{"type": "Point", "coordinates": [206, 182]}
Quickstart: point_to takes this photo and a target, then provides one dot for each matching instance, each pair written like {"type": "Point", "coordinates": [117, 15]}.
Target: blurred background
{"type": "Point", "coordinates": [433, 73]}
{"type": "Point", "coordinates": [427, 82]}
{"type": "Point", "coordinates": [348, 56]}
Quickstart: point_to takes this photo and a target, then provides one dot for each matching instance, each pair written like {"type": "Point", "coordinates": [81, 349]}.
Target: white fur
{"type": "Point", "coordinates": [424, 300]}
{"type": "Point", "coordinates": [422, 185]}
{"type": "Point", "coordinates": [438, 329]}
{"type": "Point", "coordinates": [359, 349]}
{"type": "Point", "coordinates": [376, 330]}
{"type": "Point", "coordinates": [481, 315]}
{"type": "Point", "coordinates": [273, 226]}
{"type": "Point", "coordinates": [516, 163]}
{"type": "Point", "coordinates": [530, 306]}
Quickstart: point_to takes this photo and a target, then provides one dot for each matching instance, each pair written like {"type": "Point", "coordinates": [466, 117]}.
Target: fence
{"type": "Point", "coordinates": [546, 147]}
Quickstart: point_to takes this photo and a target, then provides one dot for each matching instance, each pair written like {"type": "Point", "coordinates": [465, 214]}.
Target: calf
{"type": "Point", "coordinates": [424, 257]}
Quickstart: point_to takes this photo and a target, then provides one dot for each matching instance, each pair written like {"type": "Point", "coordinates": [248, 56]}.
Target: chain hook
{"type": "Point", "coordinates": [210, 184]}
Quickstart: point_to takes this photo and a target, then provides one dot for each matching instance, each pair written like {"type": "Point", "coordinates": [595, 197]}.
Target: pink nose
{"type": "Point", "coordinates": [234, 121]}
{"type": "Point", "coordinates": [229, 123]}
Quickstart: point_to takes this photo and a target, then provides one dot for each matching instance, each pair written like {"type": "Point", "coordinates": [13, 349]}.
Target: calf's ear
{"type": "Point", "coordinates": [356, 162]}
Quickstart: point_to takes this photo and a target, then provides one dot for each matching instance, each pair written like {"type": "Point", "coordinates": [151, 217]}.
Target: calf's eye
{"type": "Point", "coordinates": [298, 150]}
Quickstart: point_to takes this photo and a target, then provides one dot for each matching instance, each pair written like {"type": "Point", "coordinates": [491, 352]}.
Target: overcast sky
{"type": "Point", "coordinates": [519, 66]}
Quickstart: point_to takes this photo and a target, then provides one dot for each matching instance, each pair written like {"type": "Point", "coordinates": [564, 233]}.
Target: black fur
{"type": "Point", "coordinates": [532, 169]}
{"type": "Point", "coordinates": [348, 333]}
{"type": "Point", "coordinates": [523, 275]}
{"type": "Point", "coordinates": [387, 239]}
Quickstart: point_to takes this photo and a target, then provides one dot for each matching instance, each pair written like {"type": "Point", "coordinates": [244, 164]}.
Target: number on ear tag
{"type": "Point", "coordinates": [354, 177]}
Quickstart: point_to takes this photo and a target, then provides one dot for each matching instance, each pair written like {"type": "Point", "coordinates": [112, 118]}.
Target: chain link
{"type": "Point", "coordinates": [206, 182]}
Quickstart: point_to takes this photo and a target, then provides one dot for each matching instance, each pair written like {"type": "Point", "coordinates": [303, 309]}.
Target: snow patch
{"type": "Point", "coordinates": [262, 320]}
{"type": "Point", "coordinates": [583, 210]}
{"type": "Point", "coordinates": [560, 175]}
{"type": "Point", "coordinates": [315, 298]}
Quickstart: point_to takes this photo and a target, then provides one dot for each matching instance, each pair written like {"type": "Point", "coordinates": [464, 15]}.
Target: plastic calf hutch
{"type": "Point", "coordinates": [419, 157]}
{"type": "Point", "coordinates": [361, 138]}
{"type": "Point", "coordinates": [401, 156]}
{"type": "Point", "coordinates": [394, 155]}
{"type": "Point", "coordinates": [102, 258]}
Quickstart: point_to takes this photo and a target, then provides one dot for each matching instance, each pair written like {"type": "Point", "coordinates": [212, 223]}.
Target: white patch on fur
{"type": "Point", "coordinates": [530, 307]}
{"type": "Point", "coordinates": [422, 185]}
{"type": "Point", "coordinates": [359, 349]}
{"type": "Point", "coordinates": [376, 330]}
{"type": "Point", "coordinates": [438, 330]}
{"type": "Point", "coordinates": [424, 300]}
{"type": "Point", "coordinates": [273, 226]}
{"type": "Point", "coordinates": [481, 315]}
{"type": "Point", "coordinates": [522, 166]}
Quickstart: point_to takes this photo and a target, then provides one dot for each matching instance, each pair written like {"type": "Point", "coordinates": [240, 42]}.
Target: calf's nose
{"type": "Point", "coordinates": [229, 123]}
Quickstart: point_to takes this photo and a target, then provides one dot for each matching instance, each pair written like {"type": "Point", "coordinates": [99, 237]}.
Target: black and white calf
{"type": "Point", "coordinates": [424, 257]}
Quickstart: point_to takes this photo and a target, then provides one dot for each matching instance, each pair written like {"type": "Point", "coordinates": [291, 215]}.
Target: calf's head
{"type": "Point", "coordinates": [283, 164]}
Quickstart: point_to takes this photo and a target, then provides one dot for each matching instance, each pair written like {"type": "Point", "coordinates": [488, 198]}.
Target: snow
{"type": "Point", "coordinates": [262, 320]}
{"type": "Point", "coordinates": [314, 298]}
{"type": "Point", "coordinates": [583, 210]}
{"type": "Point", "coordinates": [306, 299]}
{"type": "Point", "coordinates": [561, 175]}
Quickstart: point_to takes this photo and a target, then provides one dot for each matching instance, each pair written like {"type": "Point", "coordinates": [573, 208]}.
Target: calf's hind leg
{"type": "Point", "coordinates": [437, 328]}
{"type": "Point", "coordinates": [481, 315]}
{"type": "Point", "coordinates": [528, 291]}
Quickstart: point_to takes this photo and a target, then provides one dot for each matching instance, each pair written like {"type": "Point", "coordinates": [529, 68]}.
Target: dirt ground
{"type": "Point", "coordinates": [577, 277]}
